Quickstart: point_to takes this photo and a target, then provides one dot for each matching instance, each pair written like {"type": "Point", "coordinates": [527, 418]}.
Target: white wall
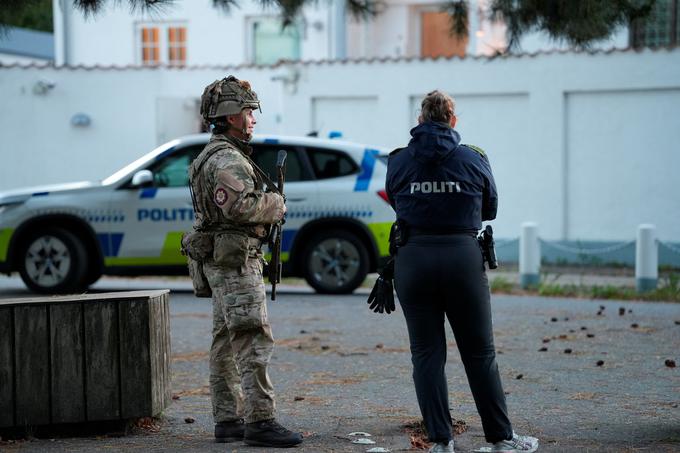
{"type": "Point", "coordinates": [627, 147]}
{"type": "Point", "coordinates": [584, 144]}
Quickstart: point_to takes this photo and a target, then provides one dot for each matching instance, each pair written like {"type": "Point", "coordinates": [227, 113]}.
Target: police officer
{"type": "Point", "coordinates": [234, 213]}
{"type": "Point", "coordinates": [441, 191]}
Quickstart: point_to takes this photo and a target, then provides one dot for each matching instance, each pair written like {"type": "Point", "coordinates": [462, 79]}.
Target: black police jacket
{"type": "Point", "coordinates": [438, 183]}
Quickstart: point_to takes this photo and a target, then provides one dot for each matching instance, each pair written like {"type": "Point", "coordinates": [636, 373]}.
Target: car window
{"type": "Point", "coordinates": [265, 155]}
{"type": "Point", "coordinates": [173, 170]}
{"type": "Point", "coordinates": [330, 164]}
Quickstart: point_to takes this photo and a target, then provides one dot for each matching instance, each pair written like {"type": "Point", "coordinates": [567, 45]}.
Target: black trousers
{"type": "Point", "coordinates": [443, 276]}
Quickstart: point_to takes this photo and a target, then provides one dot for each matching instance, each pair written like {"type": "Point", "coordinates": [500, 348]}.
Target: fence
{"type": "Point", "coordinates": [531, 253]}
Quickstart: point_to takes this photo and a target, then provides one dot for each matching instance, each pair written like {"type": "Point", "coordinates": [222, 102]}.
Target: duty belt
{"type": "Point", "coordinates": [437, 231]}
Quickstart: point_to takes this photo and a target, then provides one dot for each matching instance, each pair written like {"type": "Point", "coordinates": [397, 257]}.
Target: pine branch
{"type": "Point", "coordinates": [576, 22]}
{"type": "Point", "coordinates": [154, 7]}
{"type": "Point", "coordinates": [459, 11]}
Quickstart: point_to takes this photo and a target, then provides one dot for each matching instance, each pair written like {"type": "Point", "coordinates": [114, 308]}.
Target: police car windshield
{"type": "Point", "coordinates": [139, 163]}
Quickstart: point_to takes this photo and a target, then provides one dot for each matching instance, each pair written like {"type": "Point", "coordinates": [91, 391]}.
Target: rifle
{"type": "Point", "coordinates": [275, 267]}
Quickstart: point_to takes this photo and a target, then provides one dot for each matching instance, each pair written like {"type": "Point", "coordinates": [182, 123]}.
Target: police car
{"type": "Point", "coordinates": [62, 238]}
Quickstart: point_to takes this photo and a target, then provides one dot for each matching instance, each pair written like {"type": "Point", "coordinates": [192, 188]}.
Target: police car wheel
{"type": "Point", "coordinates": [335, 262]}
{"type": "Point", "coordinates": [53, 261]}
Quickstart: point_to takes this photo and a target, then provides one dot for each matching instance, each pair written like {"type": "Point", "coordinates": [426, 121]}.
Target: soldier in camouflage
{"type": "Point", "coordinates": [233, 215]}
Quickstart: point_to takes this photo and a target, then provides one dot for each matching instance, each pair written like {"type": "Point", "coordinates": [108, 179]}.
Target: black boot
{"type": "Point", "coordinates": [229, 431]}
{"type": "Point", "coordinates": [268, 433]}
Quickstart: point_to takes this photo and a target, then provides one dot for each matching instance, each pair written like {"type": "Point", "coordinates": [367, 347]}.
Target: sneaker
{"type": "Point", "coordinates": [229, 431]}
{"type": "Point", "coordinates": [441, 447]}
{"type": "Point", "coordinates": [516, 444]}
{"type": "Point", "coordinates": [268, 433]}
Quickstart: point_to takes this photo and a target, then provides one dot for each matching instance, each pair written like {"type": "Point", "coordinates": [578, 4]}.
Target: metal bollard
{"type": "Point", "coordinates": [529, 255]}
{"type": "Point", "coordinates": [646, 258]}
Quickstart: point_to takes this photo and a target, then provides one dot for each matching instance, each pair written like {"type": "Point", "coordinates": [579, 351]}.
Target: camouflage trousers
{"type": "Point", "coordinates": [242, 344]}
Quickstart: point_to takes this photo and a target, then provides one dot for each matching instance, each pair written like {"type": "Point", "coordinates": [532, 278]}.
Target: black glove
{"type": "Point", "coordinates": [381, 299]}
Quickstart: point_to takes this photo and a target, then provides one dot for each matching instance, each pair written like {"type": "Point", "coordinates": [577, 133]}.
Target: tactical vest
{"type": "Point", "coordinates": [208, 216]}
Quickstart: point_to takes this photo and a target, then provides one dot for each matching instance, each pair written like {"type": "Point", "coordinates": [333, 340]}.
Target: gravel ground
{"type": "Point", "coordinates": [339, 368]}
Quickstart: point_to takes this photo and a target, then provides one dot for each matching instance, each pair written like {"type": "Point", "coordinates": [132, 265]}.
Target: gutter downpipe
{"type": "Point", "coordinates": [340, 23]}
{"type": "Point", "coordinates": [60, 22]}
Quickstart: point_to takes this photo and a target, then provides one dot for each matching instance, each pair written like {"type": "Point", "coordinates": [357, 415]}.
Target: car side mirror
{"type": "Point", "coordinates": [142, 178]}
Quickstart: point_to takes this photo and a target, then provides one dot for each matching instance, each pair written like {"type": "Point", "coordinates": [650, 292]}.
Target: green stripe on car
{"type": "Point", "coordinates": [5, 236]}
{"type": "Point", "coordinates": [381, 232]}
{"type": "Point", "coordinates": [170, 255]}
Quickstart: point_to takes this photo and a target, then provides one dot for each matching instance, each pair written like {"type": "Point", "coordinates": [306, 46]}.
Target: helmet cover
{"type": "Point", "coordinates": [228, 96]}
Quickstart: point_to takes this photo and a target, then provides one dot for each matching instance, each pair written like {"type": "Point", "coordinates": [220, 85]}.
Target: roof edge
{"type": "Point", "coordinates": [330, 62]}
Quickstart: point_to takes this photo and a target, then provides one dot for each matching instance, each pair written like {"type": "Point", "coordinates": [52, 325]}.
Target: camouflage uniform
{"type": "Point", "coordinates": [232, 205]}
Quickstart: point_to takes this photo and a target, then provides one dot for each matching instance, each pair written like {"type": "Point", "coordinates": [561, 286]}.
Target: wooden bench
{"type": "Point", "coordinates": [84, 358]}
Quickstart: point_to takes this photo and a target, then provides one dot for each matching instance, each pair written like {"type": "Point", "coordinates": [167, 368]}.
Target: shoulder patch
{"type": "Point", "coordinates": [396, 151]}
{"type": "Point", "coordinates": [221, 197]}
{"type": "Point", "coordinates": [477, 149]}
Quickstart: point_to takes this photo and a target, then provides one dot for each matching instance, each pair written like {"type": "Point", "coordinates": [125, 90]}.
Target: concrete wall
{"type": "Point", "coordinates": [587, 145]}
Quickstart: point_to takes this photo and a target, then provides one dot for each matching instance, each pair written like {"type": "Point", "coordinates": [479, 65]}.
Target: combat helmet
{"type": "Point", "coordinates": [227, 97]}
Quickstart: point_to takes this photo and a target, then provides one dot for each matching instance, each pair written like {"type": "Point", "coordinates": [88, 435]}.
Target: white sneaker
{"type": "Point", "coordinates": [441, 447]}
{"type": "Point", "coordinates": [516, 445]}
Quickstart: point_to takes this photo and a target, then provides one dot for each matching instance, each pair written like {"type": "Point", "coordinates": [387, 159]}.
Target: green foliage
{"type": "Point", "coordinates": [501, 285]}
{"type": "Point", "coordinates": [459, 11]}
{"type": "Point", "coordinates": [557, 290]}
{"type": "Point", "coordinates": [289, 9]}
{"type": "Point", "coordinates": [668, 290]}
{"type": "Point", "coordinates": [31, 14]}
{"type": "Point", "coordinates": [612, 292]}
{"type": "Point", "coordinates": [577, 22]}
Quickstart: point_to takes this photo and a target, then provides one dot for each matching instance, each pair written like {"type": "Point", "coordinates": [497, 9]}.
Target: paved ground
{"type": "Point", "coordinates": [339, 368]}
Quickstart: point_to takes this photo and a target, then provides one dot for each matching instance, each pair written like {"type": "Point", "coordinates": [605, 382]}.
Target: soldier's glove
{"type": "Point", "coordinates": [381, 299]}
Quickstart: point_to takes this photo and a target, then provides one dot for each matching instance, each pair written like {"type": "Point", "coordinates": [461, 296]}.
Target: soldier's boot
{"type": "Point", "coordinates": [229, 431]}
{"type": "Point", "coordinates": [268, 433]}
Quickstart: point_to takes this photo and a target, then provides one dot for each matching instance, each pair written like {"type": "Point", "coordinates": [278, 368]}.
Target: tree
{"type": "Point", "coordinates": [33, 14]}
{"type": "Point", "coordinates": [576, 22]}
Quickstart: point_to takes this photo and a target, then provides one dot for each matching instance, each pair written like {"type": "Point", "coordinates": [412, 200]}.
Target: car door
{"type": "Point", "coordinates": [302, 201]}
{"type": "Point", "coordinates": [157, 215]}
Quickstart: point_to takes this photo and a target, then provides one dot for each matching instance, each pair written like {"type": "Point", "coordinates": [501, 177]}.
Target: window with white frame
{"type": "Point", "coordinates": [162, 43]}
{"type": "Point", "coordinates": [150, 50]}
{"type": "Point", "coordinates": [177, 46]}
{"type": "Point", "coordinates": [269, 42]}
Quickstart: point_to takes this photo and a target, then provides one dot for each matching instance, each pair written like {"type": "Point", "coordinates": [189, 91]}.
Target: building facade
{"type": "Point", "coordinates": [584, 143]}
{"type": "Point", "coordinates": [196, 33]}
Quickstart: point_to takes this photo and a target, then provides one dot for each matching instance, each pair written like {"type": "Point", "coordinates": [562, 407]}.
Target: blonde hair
{"type": "Point", "coordinates": [437, 106]}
